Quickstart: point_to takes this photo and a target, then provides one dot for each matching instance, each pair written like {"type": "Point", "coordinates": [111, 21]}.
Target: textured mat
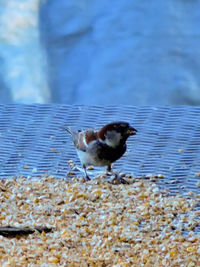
{"type": "Point", "coordinates": [33, 143]}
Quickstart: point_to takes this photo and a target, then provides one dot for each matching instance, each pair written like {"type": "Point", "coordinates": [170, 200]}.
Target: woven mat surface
{"type": "Point", "coordinates": [33, 143]}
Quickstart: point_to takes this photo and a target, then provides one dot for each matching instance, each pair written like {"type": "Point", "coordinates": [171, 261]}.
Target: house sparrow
{"type": "Point", "coordinates": [101, 147]}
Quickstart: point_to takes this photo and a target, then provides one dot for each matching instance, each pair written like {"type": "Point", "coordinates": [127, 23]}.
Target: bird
{"type": "Point", "coordinates": [101, 147]}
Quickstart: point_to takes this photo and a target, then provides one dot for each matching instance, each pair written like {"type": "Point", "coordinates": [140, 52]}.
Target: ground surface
{"type": "Point", "coordinates": [98, 224]}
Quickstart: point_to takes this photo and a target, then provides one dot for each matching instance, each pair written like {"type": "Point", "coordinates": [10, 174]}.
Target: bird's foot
{"type": "Point", "coordinates": [107, 173]}
{"type": "Point", "coordinates": [118, 179]}
{"type": "Point", "coordinates": [86, 178]}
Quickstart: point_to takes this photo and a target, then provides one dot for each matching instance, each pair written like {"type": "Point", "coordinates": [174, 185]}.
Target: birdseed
{"type": "Point", "coordinates": [96, 223]}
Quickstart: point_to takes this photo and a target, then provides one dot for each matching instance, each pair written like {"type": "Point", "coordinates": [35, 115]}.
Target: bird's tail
{"type": "Point", "coordinates": [68, 129]}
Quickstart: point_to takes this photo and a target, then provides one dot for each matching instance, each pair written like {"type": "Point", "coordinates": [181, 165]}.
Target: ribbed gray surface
{"type": "Point", "coordinates": [32, 141]}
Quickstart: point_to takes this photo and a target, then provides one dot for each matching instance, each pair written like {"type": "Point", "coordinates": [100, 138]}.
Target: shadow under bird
{"type": "Point", "coordinates": [101, 147]}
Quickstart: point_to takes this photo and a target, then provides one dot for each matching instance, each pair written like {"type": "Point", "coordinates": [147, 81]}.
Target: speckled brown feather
{"type": "Point", "coordinates": [90, 136]}
{"type": "Point", "coordinates": [84, 139]}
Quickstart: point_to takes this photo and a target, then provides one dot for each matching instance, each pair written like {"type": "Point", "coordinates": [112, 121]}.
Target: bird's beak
{"type": "Point", "coordinates": [131, 131]}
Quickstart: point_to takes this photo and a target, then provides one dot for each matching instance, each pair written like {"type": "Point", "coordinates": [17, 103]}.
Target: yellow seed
{"type": "Point", "coordinates": [98, 193]}
{"type": "Point", "coordinates": [172, 253]}
{"type": "Point", "coordinates": [184, 208]}
{"type": "Point", "coordinates": [81, 195]}
{"type": "Point", "coordinates": [114, 222]}
{"type": "Point", "coordinates": [113, 216]}
{"type": "Point", "coordinates": [26, 206]}
{"type": "Point", "coordinates": [36, 200]}
{"type": "Point", "coordinates": [69, 190]}
{"type": "Point", "coordinates": [90, 168]}
{"type": "Point", "coordinates": [43, 234]}
{"type": "Point", "coordinates": [142, 196]}
{"type": "Point", "coordinates": [105, 234]}
{"type": "Point", "coordinates": [2, 217]}
{"type": "Point", "coordinates": [65, 234]}
{"type": "Point", "coordinates": [54, 260]}
{"type": "Point", "coordinates": [6, 196]}
{"type": "Point", "coordinates": [86, 229]}
{"type": "Point", "coordinates": [191, 249]}
{"type": "Point", "coordinates": [122, 239]}
{"type": "Point", "coordinates": [148, 263]}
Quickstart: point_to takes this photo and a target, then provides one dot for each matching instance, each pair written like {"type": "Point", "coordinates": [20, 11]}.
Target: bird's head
{"type": "Point", "coordinates": [116, 133]}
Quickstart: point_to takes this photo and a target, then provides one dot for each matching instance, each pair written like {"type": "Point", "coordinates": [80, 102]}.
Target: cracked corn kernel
{"type": "Point", "coordinates": [54, 260]}
{"type": "Point", "coordinates": [172, 253]}
{"type": "Point", "coordinates": [97, 193]}
{"type": "Point", "coordinates": [69, 190]}
{"type": "Point", "coordinates": [90, 168]}
{"type": "Point", "coordinates": [36, 200]}
{"type": "Point", "coordinates": [144, 195]}
{"type": "Point", "coordinates": [65, 234]}
{"type": "Point", "coordinates": [123, 239]}
{"type": "Point", "coordinates": [191, 249]}
{"type": "Point", "coordinates": [6, 196]}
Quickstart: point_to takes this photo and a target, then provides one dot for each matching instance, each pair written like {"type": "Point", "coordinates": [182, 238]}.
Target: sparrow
{"type": "Point", "coordinates": [101, 147]}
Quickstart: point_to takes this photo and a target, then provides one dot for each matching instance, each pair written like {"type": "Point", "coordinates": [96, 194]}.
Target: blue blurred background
{"type": "Point", "coordinates": [100, 52]}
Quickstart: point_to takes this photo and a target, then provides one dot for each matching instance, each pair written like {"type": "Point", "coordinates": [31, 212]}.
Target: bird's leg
{"type": "Point", "coordinates": [87, 178]}
{"type": "Point", "coordinates": [109, 170]}
{"type": "Point", "coordinates": [118, 179]}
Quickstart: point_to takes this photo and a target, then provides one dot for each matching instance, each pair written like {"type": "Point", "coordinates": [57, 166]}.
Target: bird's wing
{"type": "Point", "coordinates": [85, 138]}
{"type": "Point", "coordinates": [82, 139]}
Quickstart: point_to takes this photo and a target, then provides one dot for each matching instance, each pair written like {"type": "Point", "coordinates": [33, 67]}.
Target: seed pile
{"type": "Point", "coordinates": [98, 224]}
